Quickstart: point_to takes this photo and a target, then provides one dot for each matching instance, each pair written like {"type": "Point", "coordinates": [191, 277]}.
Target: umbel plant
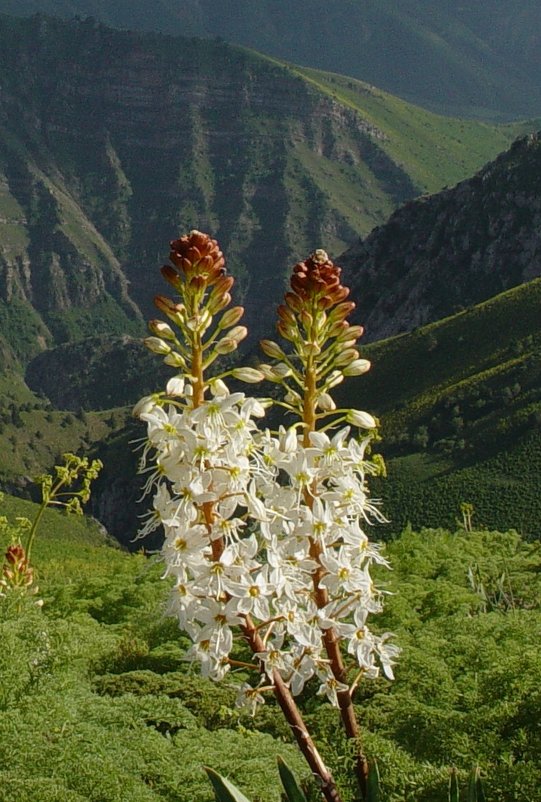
{"type": "Point", "coordinates": [265, 530]}
{"type": "Point", "coordinates": [68, 487]}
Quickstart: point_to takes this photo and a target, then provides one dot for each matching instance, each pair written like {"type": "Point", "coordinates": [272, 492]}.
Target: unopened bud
{"type": "Point", "coordinates": [288, 441]}
{"type": "Point", "coordinates": [175, 312]}
{"type": "Point", "coordinates": [238, 333]}
{"type": "Point", "coordinates": [226, 346]}
{"type": "Point", "coordinates": [336, 377]}
{"type": "Point", "coordinates": [349, 332]}
{"type": "Point", "coordinates": [157, 345]}
{"type": "Point", "coordinates": [346, 356]}
{"type": "Point", "coordinates": [293, 398]}
{"type": "Point", "coordinates": [288, 332]}
{"type": "Point", "coordinates": [272, 349]}
{"type": "Point", "coordinates": [326, 403]}
{"type": "Point", "coordinates": [357, 367]}
{"type": "Point", "coordinates": [144, 405]}
{"type": "Point", "coordinates": [219, 302]}
{"type": "Point", "coordinates": [161, 329]}
{"type": "Point", "coordinates": [200, 322]}
{"type": "Point", "coordinates": [175, 386]}
{"type": "Point", "coordinates": [311, 348]}
{"type": "Point", "coordinates": [268, 373]}
{"type": "Point", "coordinates": [218, 387]}
{"type": "Point", "coordinates": [341, 311]}
{"type": "Point", "coordinates": [362, 419]}
{"type": "Point", "coordinates": [281, 370]}
{"type": "Point", "coordinates": [231, 317]}
{"type": "Point", "coordinates": [175, 360]}
{"type": "Point", "coordinates": [248, 375]}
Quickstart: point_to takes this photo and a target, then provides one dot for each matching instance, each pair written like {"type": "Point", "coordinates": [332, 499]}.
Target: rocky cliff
{"type": "Point", "coordinates": [441, 253]}
{"type": "Point", "coordinates": [112, 143]}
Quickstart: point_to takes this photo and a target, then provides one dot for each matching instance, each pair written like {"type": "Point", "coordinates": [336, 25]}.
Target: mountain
{"type": "Point", "coordinates": [112, 143]}
{"type": "Point", "coordinates": [441, 253]}
{"type": "Point", "coordinates": [460, 408]}
{"type": "Point", "coordinates": [478, 60]}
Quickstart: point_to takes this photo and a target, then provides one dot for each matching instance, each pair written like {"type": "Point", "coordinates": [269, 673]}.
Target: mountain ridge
{"type": "Point", "coordinates": [115, 142]}
{"type": "Point", "coordinates": [440, 253]}
{"type": "Point", "coordinates": [453, 58]}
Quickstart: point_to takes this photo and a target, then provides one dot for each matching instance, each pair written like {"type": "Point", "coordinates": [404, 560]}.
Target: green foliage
{"type": "Point", "coordinates": [292, 789]}
{"type": "Point", "coordinates": [466, 429]}
{"type": "Point", "coordinates": [224, 791]}
{"type": "Point", "coordinates": [97, 701]}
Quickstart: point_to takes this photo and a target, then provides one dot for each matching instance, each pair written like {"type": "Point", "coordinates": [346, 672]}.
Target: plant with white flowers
{"type": "Point", "coordinates": [264, 531]}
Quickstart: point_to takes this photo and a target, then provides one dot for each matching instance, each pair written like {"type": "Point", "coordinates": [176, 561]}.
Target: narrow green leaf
{"type": "Point", "coordinates": [372, 783]}
{"type": "Point", "coordinates": [475, 790]}
{"type": "Point", "coordinates": [454, 792]}
{"type": "Point", "coordinates": [289, 781]}
{"type": "Point", "coordinates": [224, 791]}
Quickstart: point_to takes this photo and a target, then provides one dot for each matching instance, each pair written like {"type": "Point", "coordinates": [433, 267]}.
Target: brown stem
{"type": "Point", "coordinates": [295, 720]}
{"type": "Point", "coordinates": [331, 642]}
{"type": "Point", "coordinates": [197, 372]}
{"type": "Point", "coordinates": [332, 647]}
{"type": "Point", "coordinates": [282, 692]}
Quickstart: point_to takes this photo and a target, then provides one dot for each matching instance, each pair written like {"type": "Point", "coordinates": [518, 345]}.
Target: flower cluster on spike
{"type": "Point", "coordinates": [16, 571]}
{"type": "Point", "coordinates": [264, 531]}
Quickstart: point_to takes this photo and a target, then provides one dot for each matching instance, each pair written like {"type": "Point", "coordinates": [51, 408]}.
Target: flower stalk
{"type": "Point", "coordinates": [318, 343]}
{"type": "Point", "coordinates": [263, 530]}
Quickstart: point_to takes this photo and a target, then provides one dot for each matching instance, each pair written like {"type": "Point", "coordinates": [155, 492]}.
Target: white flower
{"type": "Point", "coordinates": [249, 698]}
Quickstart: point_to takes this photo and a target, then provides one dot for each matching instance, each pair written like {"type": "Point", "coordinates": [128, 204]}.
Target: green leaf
{"type": "Point", "coordinates": [454, 792]}
{"type": "Point", "coordinates": [372, 783]}
{"type": "Point", "coordinates": [224, 791]}
{"type": "Point", "coordinates": [291, 786]}
{"type": "Point", "coordinates": [475, 788]}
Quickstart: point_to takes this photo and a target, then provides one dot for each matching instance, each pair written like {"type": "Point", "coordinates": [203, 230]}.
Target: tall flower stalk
{"type": "Point", "coordinates": [282, 564]}
{"type": "Point", "coordinates": [322, 352]}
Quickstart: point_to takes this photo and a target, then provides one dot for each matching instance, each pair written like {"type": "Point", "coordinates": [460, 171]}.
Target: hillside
{"type": "Point", "coordinates": [460, 408]}
{"type": "Point", "coordinates": [462, 59]}
{"type": "Point", "coordinates": [113, 143]}
{"type": "Point", "coordinates": [98, 701]}
{"type": "Point", "coordinates": [442, 253]}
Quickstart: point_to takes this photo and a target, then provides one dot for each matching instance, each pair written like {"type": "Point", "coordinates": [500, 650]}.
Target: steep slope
{"type": "Point", "coordinates": [113, 143]}
{"type": "Point", "coordinates": [460, 407]}
{"type": "Point", "coordinates": [466, 59]}
{"type": "Point", "coordinates": [441, 253]}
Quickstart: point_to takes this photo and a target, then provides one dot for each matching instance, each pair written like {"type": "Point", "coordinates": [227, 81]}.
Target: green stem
{"type": "Point", "coordinates": [39, 516]}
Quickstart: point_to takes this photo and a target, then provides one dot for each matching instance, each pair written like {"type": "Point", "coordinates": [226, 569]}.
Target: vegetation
{"type": "Point", "coordinates": [468, 427]}
{"type": "Point", "coordinates": [308, 158]}
{"type": "Point", "coordinates": [461, 59]}
{"type": "Point", "coordinates": [98, 702]}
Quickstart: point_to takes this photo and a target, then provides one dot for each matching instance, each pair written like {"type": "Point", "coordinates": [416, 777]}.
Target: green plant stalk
{"type": "Point", "coordinates": [34, 528]}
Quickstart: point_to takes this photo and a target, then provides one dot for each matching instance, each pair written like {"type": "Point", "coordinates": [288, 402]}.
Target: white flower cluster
{"type": "Point", "coordinates": [262, 531]}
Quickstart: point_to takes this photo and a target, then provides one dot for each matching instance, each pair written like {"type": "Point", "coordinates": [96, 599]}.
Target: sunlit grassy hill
{"type": "Point", "coordinates": [460, 407]}
{"type": "Point", "coordinates": [466, 59]}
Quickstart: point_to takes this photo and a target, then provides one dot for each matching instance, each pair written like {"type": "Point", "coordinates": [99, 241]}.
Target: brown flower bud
{"type": "Point", "coordinates": [196, 254]}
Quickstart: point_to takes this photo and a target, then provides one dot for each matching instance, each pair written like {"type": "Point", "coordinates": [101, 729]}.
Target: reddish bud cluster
{"type": "Point", "coordinates": [317, 278]}
{"type": "Point", "coordinates": [16, 571]}
{"type": "Point", "coordinates": [198, 258]}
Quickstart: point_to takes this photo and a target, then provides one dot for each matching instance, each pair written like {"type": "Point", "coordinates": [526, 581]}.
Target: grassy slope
{"type": "Point", "coordinates": [96, 701]}
{"type": "Point", "coordinates": [33, 435]}
{"type": "Point", "coordinates": [465, 59]}
{"type": "Point", "coordinates": [437, 151]}
{"type": "Point", "coordinates": [460, 403]}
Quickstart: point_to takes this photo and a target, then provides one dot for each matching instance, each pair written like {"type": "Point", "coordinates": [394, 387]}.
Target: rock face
{"type": "Point", "coordinates": [114, 143]}
{"type": "Point", "coordinates": [467, 59]}
{"type": "Point", "coordinates": [439, 254]}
